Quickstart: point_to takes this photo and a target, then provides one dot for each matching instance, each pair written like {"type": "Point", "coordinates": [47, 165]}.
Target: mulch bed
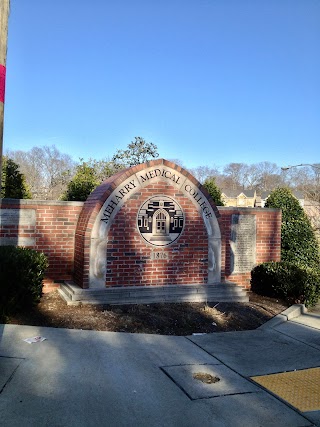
{"type": "Point", "coordinates": [165, 319]}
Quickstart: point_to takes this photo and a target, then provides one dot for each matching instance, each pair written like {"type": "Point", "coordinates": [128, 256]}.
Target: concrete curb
{"type": "Point", "coordinates": [288, 314]}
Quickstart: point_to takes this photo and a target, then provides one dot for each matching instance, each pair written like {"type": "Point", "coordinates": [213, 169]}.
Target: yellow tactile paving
{"type": "Point", "coordinates": [299, 388]}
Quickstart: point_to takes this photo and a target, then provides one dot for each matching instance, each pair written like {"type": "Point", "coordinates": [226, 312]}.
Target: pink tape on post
{"type": "Point", "coordinates": [2, 82]}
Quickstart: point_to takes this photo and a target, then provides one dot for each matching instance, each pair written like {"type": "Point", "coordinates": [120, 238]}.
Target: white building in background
{"type": "Point", "coordinates": [252, 199]}
{"type": "Point", "coordinates": [242, 198]}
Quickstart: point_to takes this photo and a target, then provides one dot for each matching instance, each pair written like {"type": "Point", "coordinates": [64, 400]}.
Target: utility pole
{"type": "Point", "coordinates": [4, 15]}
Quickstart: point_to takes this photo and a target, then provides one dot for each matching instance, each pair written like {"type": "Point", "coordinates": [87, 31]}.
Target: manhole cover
{"type": "Point", "coordinates": [206, 378]}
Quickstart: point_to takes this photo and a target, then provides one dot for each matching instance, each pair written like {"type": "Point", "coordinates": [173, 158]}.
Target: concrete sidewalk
{"type": "Point", "coordinates": [89, 378]}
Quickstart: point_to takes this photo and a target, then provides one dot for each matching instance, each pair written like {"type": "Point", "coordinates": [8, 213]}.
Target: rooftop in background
{"type": "Point", "coordinates": [251, 198]}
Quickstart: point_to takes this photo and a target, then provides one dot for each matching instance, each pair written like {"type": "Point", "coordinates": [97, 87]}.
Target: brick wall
{"type": "Point", "coordinates": [62, 230]}
{"type": "Point", "coordinates": [53, 233]}
{"type": "Point", "coordinates": [129, 256]}
{"type": "Point", "coordinates": [268, 240]}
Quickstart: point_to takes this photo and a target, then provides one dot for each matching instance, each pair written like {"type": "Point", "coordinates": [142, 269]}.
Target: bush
{"type": "Point", "coordinates": [13, 181]}
{"type": "Point", "coordinates": [82, 184]}
{"type": "Point", "coordinates": [288, 281]}
{"type": "Point", "coordinates": [298, 241]}
{"type": "Point", "coordinates": [21, 276]}
{"type": "Point", "coordinates": [214, 191]}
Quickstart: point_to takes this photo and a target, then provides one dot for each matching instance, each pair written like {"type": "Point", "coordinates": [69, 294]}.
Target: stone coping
{"type": "Point", "coordinates": [246, 209]}
{"type": "Point", "coordinates": [28, 202]}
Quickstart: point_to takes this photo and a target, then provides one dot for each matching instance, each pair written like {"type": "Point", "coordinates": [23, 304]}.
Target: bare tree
{"type": "Point", "coordinates": [237, 174]}
{"type": "Point", "coordinates": [263, 176]}
{"type": "Point", "coordinates": [307, 180]}
{"type": "Point", "coordinates": [46, 169]}
{"type": "Point", "coordinates": [269, 176]}
{"type": "Point", "coordinates": [204, 172]}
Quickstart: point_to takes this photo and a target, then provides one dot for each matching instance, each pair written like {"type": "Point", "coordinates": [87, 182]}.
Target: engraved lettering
{"type": "Point", "coordinates": [109, 209]}
{"type": "Point", "coordinates": [106, 217]}
{"type": "Point", "coordinates": [197, 197]}
{"type": "Point", "coordinates": [160, 172]}
{"type": "Point", "coordinates": [159, 255]}
{"type": "Point", "coordinates": [122, 192]}
{"type": "Point", "coordinates": [113, 203]}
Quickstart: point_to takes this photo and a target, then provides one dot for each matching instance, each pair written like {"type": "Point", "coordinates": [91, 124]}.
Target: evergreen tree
{"type": "Point", "coordinates": [298, 242]}
{"type": "Point", "coordinates": [13, 182]}
{"type": "Point", "coordinates": [88, 176]}
{"type": "Point", "coordinates": [213, 190]}
{"type": "Point", "coordinates": [82, 184]}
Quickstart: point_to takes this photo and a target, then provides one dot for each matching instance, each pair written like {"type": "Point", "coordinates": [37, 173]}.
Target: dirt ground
{"type": "Point", "coordinates": [165, 319]}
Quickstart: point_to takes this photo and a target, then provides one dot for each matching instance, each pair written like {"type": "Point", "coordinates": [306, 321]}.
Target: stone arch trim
{"type": "Point", "coordinates": [107, 199]}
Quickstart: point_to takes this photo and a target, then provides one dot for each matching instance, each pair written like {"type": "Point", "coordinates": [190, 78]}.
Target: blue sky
{"type": "Point", "coordinates": [210, 82]}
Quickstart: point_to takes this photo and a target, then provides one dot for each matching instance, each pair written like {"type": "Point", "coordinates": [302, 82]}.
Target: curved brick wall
{"type": "Point", "coordinates": [128, 256]}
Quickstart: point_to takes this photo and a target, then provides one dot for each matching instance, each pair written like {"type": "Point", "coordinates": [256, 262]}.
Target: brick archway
{"type": "Point", "coordinates": [110, 251]}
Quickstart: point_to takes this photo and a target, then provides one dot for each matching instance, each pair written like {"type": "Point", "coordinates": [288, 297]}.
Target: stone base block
{"type": "Point", "coordinates": [218, 292]}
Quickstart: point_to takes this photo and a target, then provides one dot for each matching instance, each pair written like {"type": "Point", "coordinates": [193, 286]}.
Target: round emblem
{"type": "Point", "coordinates": [160, 220]}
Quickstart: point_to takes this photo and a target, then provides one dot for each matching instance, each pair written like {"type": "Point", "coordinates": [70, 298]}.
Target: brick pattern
{"type": "Point", "coordinates": [53, 234]}
{"type": "Point", "coordinates": [94, 204]}
{"type": "Point", "coordinates": [268, 240]}
{"type": "Point", "coordinates": [87, 216]}
{"type": "Point", "coordinates": [63, 232]}
{"type": "Point", "coordinates": [129, 260]}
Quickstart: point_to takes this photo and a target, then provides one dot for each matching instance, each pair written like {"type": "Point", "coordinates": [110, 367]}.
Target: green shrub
{"type": "Point", "coordinates": [21, 276]}
{"type": "Point", "coordinates": [13, 181]}
{"type": "Point", "coordinates": [298, 240]}
{"type": "Point", "coordinates": [288, 281]}
{"type": "Point", "coordinates": [214, 191]}
{"type": "Point", "coordinates": [82, 184]}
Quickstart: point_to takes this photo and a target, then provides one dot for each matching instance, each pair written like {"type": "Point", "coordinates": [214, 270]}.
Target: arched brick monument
{"type": "Point", "coordinates": [149, 233]}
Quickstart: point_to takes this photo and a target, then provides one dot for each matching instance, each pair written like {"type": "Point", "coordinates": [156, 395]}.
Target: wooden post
{"type": "Point", "coordinates": [4, 14]}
